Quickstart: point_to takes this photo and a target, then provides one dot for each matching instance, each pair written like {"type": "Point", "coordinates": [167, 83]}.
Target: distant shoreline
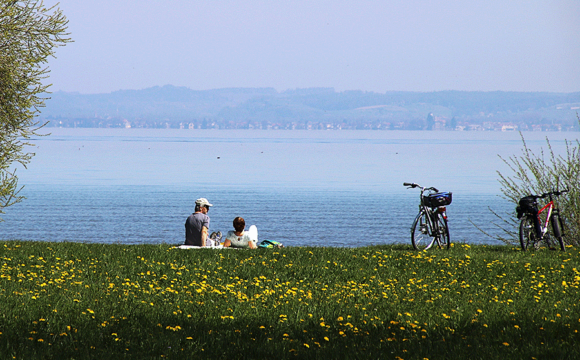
{"type": "Point", "coordinates": [312, 109]}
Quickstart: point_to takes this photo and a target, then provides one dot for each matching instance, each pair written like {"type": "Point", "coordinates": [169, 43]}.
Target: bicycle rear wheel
{"type": "Point", "coordinates": [444, 240]}
{"type": "Point", "coordinates": [528, 235]}
{"type": "Point", "coordinates": [421, 232]}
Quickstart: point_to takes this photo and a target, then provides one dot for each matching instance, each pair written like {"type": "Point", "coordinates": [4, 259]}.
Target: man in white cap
{"type": "Point", "coordinates": [197, 224]}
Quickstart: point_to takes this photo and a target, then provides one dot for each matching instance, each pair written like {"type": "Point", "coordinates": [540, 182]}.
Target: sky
{"type": "Point", "coordinates": [378, 45]}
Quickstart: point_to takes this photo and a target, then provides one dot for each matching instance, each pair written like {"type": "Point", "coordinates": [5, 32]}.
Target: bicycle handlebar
{"type": "Point", "coordinates": [545, 195]}
{"type": "Point", "coordinates": [414, 185]}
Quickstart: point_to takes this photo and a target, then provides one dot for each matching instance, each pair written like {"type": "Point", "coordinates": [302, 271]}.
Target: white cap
{"type": "Point", "coordinates": [202, 202]}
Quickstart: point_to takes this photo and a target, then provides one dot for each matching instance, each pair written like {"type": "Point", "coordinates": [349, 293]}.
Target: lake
{"type": "Point", "coordinates": [319, 188]}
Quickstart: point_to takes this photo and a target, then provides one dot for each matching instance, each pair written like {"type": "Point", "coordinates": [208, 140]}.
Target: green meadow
{"type": "Point", "coordinates": [94, 301]}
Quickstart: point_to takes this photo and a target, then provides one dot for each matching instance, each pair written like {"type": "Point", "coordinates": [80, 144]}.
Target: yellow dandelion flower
{"type": "Point", "coordinates": [506, 344]}
{"type": "Point", "coordinates": [326, 338]}
{"type": "Point", "coordinates": [306, 345]}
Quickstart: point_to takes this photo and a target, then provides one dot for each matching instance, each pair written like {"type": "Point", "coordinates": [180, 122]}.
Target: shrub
{"type": "Point", "coordinates": [540, 173]}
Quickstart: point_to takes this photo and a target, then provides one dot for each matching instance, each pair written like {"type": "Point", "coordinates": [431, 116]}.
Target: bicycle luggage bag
{"type": "Point", "coordinates": [528, 205]}
{"type": "Point", "coordinates": [438, 199]}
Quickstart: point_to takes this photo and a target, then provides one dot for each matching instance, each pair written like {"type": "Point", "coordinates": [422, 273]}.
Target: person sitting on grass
{"type": "Point", "coordinates": [239, 238]}
{"type": "Point", "coordinates": [197, 224]}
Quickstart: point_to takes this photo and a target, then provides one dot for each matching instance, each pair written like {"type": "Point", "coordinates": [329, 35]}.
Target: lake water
{"type": "Point", "coordinates": [321, 188]}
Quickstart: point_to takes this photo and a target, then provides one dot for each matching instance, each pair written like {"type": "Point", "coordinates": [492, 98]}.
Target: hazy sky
{"type": "Point", "coordinates": [412, 45]}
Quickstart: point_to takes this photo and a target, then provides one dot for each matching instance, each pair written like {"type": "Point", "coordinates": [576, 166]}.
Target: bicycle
{"type": "Point", "coordinates": [430, 226]}
{"type": "Point", "coordinates": [532, 233]}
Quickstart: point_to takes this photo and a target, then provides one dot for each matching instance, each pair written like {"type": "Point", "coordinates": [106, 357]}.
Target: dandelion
{"type": "Point", "coordinates": [306, 345]}
{"type": "Point", "coordinates": [506, 344]}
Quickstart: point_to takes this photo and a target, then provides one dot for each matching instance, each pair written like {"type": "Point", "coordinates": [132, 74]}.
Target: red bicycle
{"type": "Point", "coordinates": [532, 232]}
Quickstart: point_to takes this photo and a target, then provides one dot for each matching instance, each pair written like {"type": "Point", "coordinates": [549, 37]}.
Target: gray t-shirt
{"type": "Point", "coordinates": [193, 226]}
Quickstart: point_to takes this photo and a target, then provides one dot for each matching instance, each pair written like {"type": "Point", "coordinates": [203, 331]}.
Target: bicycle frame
{"type": "Point", "coordinates": [430, 212]}
{"type": "Point", "coordinates": [544, 229]}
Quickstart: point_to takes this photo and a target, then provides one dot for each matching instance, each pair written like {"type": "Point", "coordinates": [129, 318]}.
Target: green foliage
{"type": "Point", "coordinates": [92, 301]}
{"type": "Point", "coordinates": [541, 173]}
{"type": "Point", "coordinates": [29, 34]}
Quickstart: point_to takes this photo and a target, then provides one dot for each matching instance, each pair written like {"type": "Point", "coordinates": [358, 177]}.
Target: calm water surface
{"type": "Point", "coordinates": [322, 188]}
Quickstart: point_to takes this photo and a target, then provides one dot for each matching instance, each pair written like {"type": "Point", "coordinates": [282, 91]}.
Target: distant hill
{"type": "Point", "coordinates": [171, 106]}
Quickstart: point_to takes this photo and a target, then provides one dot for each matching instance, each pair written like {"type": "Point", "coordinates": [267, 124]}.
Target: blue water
{"type": "Point", "coordinates": [320, 188]}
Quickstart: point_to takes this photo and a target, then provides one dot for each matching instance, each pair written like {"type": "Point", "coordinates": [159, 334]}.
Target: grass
{"type": "Point", "coordinates": [83, 301]}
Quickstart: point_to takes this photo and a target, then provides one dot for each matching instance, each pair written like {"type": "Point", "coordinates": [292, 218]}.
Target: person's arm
{"type": "Point", "coordinates": [252, 245]}
{"type": "Point", "coordinates": [203, 235]}
{"type": "Point", "coordinates": [227, 243]}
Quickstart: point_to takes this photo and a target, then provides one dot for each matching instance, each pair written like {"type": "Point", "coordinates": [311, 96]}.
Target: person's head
{"type": "Point", "coordinates": [201, 204]}
{"type": "Point", "coordinates": [239, 224]}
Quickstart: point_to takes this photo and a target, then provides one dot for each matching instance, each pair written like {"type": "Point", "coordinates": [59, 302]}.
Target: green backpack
{"type": "Point", "coordinates": [269, 244]}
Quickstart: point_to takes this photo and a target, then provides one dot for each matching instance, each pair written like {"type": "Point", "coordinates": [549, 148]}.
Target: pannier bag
{"type": "Point", "coordinates": [528, 205]}
{"type": "Point", "coordinates": [438, 199]}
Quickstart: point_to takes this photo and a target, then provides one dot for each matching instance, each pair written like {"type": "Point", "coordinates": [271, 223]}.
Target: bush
{"type": "Point", "coordinates": [541, 173]}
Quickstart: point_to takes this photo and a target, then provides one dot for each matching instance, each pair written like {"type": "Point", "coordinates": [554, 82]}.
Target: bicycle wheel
{"type": "Point", "coordinates": [558, 231]}
{"type": "Point", "coordinates": [421, 232]}
{"type": "Point", "coordinates": [528, 235]}
{"type": "Point", "coordinates": [444, 240]}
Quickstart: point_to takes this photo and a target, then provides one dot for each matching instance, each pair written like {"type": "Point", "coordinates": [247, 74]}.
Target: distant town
{"type": "Point", "coordinates": [440, 124]}
{"type": "Point", "coordinates": [314, 109]}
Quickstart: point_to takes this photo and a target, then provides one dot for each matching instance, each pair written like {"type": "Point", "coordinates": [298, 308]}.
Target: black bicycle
{"type": "Point", "coordinates": [430, 226]}
{"type": "Point", "coordinates": [532, 232]}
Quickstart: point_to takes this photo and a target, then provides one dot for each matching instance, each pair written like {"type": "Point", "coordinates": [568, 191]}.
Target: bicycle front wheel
{"type": "Point", "coordinates": [556, 222]}
{"type": "Point", "coordinates": [422, 233]}
{"type": "Point", "coordinates": [444, 240]}
{"type": "Point", "coordinates": [528, 235]}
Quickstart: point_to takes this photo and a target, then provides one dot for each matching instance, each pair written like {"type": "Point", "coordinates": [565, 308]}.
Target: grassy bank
{"type": "Point", "coordinates": [66, 300]}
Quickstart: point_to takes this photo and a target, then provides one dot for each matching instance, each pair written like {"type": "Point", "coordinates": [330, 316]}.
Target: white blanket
{"type": "Point", "coordinates": [188, 247]}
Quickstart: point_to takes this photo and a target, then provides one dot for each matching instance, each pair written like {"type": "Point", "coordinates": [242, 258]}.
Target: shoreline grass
{"type": "Point", "coordinates": [84, 301]}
